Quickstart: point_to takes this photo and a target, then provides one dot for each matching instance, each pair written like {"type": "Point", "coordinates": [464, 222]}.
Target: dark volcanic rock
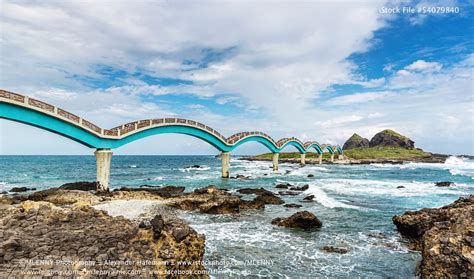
{"type": "Point", "coordinates": [81, 185]}
{"type": "Point", "coordinates": [292, 205]}
{"type": "Point", "coordinates": [308, 198]}
{"type": "Point", "coordinates": [297, 188]}
{"type": "Point", "coordinates": [445, 184]}
{"type": "Point", "coordinates": [157, 225]}
{"type": "Point", "coordinates": [302, 219]}
{"type": "Point", "coordinates": [40, 230]}
{"type": "Point", "coordinates": [283, 185]}
{"type": "Point", "coordinates": [445, 237]}
{"type": "Point", "coordinates": [310, 175]}
{"type": "Point", "coordinates": [21, 189]}
{"type": "Point", "coordinates": [240, 176]}
{"type": "Point", "coordinates": [332, 249]}
{"type": "Point", "coordinates": [288, 193]}
{"type": "Point", "coordinates": [400, 187]}
{"type": "Point", "coordinates": [163, 191]}
{"type": "Point", "coordinates": [392, 139]}
{"type": "Point", "coordinates": [269, 198]}
{"type": "Point", "coordinates": [248, 191]}
{"type": "Point", "coordinates": [356, 141]}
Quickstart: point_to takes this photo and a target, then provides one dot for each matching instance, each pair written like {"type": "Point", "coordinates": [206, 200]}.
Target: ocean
{"type": "Point", "coordinates": [355, 203]}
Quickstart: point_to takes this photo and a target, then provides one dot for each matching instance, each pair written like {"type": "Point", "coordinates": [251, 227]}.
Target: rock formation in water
{"type": "Point", "coordinates": [302, 219]}
{"type": "Point", "coordinates": [445, 237]}
{"type": "Point", "coordinates": [355, 141]}
{"type": "Point", "coordinates": [390, 138]}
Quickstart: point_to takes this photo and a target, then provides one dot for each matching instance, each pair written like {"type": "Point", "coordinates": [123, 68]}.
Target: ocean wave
{"type": "Point", "coordinates": [188, 169]}
{"type": "Point", "coordinates": [322, 198]}
{"type": "Point", "coordinates": [389, 188]}
{"type": "Point", "coordinates": [455, 165]}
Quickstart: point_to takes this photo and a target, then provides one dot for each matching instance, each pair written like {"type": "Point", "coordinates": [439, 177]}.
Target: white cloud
{"type": "Point", "coordinates": [359, 98]}
{"type": "Point", "coordinates": [421, 65]}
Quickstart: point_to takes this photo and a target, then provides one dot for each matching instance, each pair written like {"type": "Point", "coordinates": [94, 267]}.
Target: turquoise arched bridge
{"type": "Point", "coordinates": [37, 113]}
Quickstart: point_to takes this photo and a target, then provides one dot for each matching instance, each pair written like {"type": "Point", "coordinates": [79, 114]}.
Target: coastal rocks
{"type": "Point", "coordinates": [292, 205]}
{"type": "Point", "coordinates": [263, 196]}
{"type": "Point", "coordinates": [356, 141]}
{"type": "Point", "coordinates": [81, 185]}
{"type": "Point", "coordinates": [207, 200]}
{"type": "Point", "coordinates": [310, 175]}
{"type": "Point", "coordinates": [445, 237]}
{"type": "Point", "coordinates": [163, 191]}
{"type": "Point", "coordinates": [288, 193]}
{"type": "Point", "coordinates": [240, 176]}
{"type": "Point", "coordinates": [40, 230]}
{"type": "Point", "coordinates": [302, 219]}
{"type": "Point", "coordinates": [332, 249]}
{"type": "Point", "coordinates": [268, 198]}
{"type": "Point", "coordinates": [299, 188]}
{"type": "Point", "coordinates": [309, 198]}
{"type": "Point", "coordinates": [445, 184]}
{"type": "Point", "coordinates": [392, 139]}
{"type": "Point", "coordinates": [60, 196]}
{"type": "Point", "coordinates": [400, 187]}
{"type": "Point", "coordinates": [21, 189]}
{"type": "Point", "coordinates": [283, 185]}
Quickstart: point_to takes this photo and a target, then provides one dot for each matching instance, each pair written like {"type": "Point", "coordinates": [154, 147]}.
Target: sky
{"type": "Point", "coordinates": [317, 70]}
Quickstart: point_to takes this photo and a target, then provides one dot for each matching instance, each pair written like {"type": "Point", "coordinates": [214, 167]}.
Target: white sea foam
{"type": "Point", "coordinates": [388, 188]}
{"type": "Point", "coordinates": [321, 197]}
{"type": "Point", "coordinates": [455, 165]}
{"type": "Point", "coordinates": [133, 166]}
{"type": "Point", "coordinates": [2, 183]}
{"type": "Point", "coordinates": [158, 178]}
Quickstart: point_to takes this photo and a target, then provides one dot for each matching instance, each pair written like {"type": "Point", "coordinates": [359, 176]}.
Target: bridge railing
{"type": "Point", "coordinates": [136, 126]}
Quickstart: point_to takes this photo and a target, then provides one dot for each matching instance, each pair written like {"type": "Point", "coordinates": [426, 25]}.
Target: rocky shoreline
{"type": "Point", "coordinates": [77, 232]}
{"type": "Point", "coordinates": [444, 236]}
{"type": "Point", "coordinates": [434, 158]}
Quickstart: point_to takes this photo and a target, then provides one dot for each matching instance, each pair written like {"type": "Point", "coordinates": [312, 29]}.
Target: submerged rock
{"type": "Point", "coordinates": [310, 175]}
{"type": "Point", "coordinates": [240, 176]}
{"type": "Point", "coordinates": [445, 184]}
{"type": "Point", "coordinates": [21, 189]}
{"type": "Point", "coordinates": [445, 237]}
{"type": "Point", "coordinates": [81, 185]}
{"type": "Point", "coordinates": [299, 188]}
{"type": "Point", "coordinates": [283, 185]}
{"type": "Point", "coordinates": [288, 193]}
{"type": "Point", "coordinates": [332, 249]}
{"type": "Point", "coordinates": [308, 198]}
{"type": "Point", "coordinates": [260, 191]}
{"type": "Point", "coordinates": [400, 187]}
{"type": "Point", "coordinates": [269, 198]}
{"type": "Point", "coordinates": [302, 219]}
{"type": "Point", "coordinates": [292, 205]}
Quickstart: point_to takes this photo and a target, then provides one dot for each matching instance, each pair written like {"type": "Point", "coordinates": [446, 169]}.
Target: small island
{"type": "Point", "coordinates": [386, 146]}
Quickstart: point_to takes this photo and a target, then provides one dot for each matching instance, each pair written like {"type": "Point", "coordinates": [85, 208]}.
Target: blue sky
{"type": "Point", "coordinates": [316, 70]}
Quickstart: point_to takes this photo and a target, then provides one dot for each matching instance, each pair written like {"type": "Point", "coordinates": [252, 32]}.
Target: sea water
{"type": "Point", "coordinates": [356, 204]}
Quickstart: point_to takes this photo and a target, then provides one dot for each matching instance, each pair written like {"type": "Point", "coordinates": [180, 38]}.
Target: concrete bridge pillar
{"type": "Point", "coordinates": [275, 157]}
{"type": "Point", "coordinates": [103, 158]}
{"type": "Point", "coordinates": [332, 157]}
{"type": "Point", "coordinates": [303, 159]}
{"type": "Point", "coordinates": [225, 157]}
{"type": "Point", "coordinates": [320, 159]}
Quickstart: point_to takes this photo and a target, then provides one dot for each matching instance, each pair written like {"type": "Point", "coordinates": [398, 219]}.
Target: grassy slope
{"type": "Point", "coordinates": [393, 153]}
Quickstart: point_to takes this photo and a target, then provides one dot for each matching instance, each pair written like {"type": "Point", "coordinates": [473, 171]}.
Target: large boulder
{"type": "Point", "coordinates": [391, 138]}
{"type": "Point", "coordinates": [356, 141]}
{"type": "Point", "coordinates": [302, 219]}
{"type": "Point", "coordinates": [445, 237]}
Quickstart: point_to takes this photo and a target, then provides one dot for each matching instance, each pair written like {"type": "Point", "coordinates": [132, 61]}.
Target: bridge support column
{"type": "Point", "coordinates": [303, 159]}
{"type": "Point", "coordinates": [225, 157]}
{"type": "Point", "coordinates": [320, 159]}
{"type": "Point", "coordinates": [103, 158]}
{"type": "Point", "coordinates": [332, 157]}
{"type": "Point", "coordinates": [340, 157]}
{"type": "Point", "coordinates": [275, 157]}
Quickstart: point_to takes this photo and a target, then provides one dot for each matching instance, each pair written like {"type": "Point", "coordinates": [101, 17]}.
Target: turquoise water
{"type": "Point", "coordinates": [355, 204]}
